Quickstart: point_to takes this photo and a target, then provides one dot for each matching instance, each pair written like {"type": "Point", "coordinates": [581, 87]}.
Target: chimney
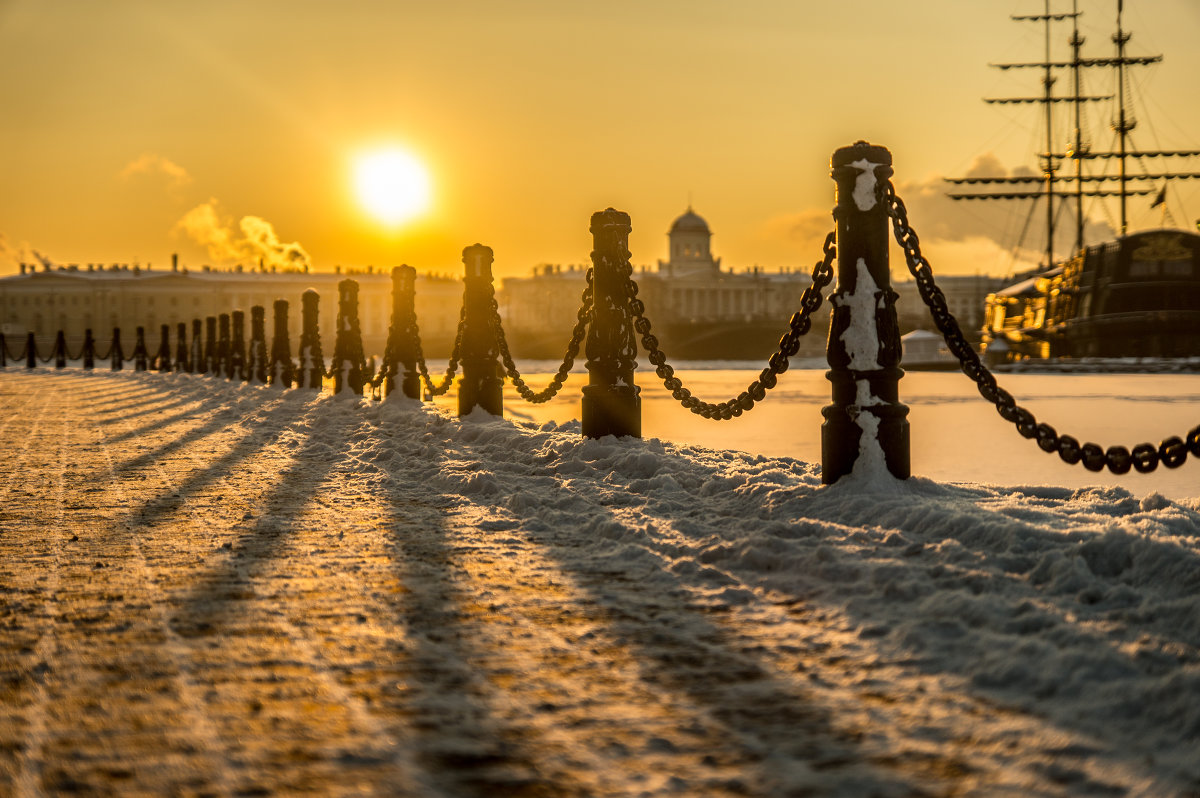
{"type": "Point", "coordinates": [22, 268]}
{"type": "Point", "coordinates": [174, 261]}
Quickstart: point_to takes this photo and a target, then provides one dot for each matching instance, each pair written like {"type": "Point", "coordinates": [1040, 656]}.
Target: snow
{"type": "Point", "coordinates": [864, 184]}
{"type": "Point", "coordinates": [759, 633]}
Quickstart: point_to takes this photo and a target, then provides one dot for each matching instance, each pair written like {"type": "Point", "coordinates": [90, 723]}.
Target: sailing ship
{"type": "Point", "coordinates": [1136, 296]}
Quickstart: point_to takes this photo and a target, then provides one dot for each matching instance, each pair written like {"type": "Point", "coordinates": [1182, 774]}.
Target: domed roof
{"type": "Point", "coordinates": [690, 223]}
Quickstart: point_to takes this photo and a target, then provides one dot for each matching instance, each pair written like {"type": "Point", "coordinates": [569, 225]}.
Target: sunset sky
{"type": "Point", "coordinates": [216, 129]}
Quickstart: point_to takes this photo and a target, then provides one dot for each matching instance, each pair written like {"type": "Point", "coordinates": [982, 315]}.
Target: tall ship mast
{"type": "Point", "coordinates": [1069, 307]}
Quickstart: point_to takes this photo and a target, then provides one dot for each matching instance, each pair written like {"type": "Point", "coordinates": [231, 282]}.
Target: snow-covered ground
{"type": "Point", "coordinates": [432, 606]}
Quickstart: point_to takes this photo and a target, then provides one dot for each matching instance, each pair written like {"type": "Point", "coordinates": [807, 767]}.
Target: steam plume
{"type": "Point", "coordinates": [254, 240]}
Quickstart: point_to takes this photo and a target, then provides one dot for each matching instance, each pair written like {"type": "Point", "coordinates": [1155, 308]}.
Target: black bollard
{"type": "Point", "coordinates": [30, 351]}
{"type": "Point", "coordinates": [866, 419]}
{"type": "Point", "coordinates": [181, 347]}
{"type": "Point", "coordinates": [196, 353]}
{"type": "Point", "coordinates": [482, 382]}
{"type": "Point", "coordinates": [401, 347]}
{"type": "Point", "coordinates": [235, 367]}
{"type": "Point", "coordinates": [141, 357]}
{"type": "Point", "coordinates": [89, 350]}
{"type": "Point", "coordinates": [348, 367]}
{"type": "Point", "coordinates": [281, 370]}
{"type": "Point", "coordinates": [312, 359]}
{"type": "Point", "coordinates": [115, 352]}
{"type": "Point", "coordinates": [256, 358]}
{"type": "Point", "coordinates": [3, 352]}
{"type": "Point", "coordinates": [208, 363]}
{"type": "Point", "coordinates": [220, 363]}
{"type": "Point", "coordinates": [162, 358]}
{"type": "Point", "coordinates": [611, 402]}
{"type": "Point", "coordinates": [60, 350]}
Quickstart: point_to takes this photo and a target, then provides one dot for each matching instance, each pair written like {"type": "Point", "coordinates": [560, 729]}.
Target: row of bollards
{"type": "Point", "coordinates": [865, 418]}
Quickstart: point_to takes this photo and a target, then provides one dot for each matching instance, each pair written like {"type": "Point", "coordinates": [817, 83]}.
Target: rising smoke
{"type": "Point", "coordinates": [253, 241]}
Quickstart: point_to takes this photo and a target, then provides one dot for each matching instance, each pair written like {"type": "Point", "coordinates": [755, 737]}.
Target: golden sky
{"type": "Point", "coordinates": [137, 128]}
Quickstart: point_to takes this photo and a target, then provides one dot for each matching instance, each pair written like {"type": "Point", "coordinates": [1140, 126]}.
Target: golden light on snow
{"type": "Point", "coordinates": [392, 185]}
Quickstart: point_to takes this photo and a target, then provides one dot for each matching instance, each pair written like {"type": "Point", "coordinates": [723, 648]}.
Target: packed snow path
{"type": "Point", "coordinates": [215, 589]}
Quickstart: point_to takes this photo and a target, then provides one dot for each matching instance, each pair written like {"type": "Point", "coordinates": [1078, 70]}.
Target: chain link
{"type": "Point", "coordinates": [1144, 457]}
{"type": "Point", "coordinates": [455, 354]}
{"type": "Point", "coordinates": [789, 345]}
{"type": "Point", "coordinates": [583, 319]}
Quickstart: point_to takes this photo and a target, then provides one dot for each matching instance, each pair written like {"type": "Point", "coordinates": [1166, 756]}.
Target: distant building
{"type": "Point", "coordinates": [74, 299]}
{"type": "Point", "coordinates": [966, 297]}
{"type": "Point", "coordinates": [697, 308]}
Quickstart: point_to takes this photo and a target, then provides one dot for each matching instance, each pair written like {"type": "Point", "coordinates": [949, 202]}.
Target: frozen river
{"type": "Point", "coordinates": [956, 435]}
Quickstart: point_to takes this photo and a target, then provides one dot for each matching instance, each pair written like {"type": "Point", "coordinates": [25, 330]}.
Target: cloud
{"type": "Point", "coordinates": [151, 164]}
{"type": "Point", "coordinates": [992, 237]}
{"type": "Point", "coordinates": [253, 240]}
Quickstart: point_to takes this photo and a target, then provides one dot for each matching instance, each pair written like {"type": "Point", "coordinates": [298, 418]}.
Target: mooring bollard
{"type": "Point", "coordinates": [256, 362]}
{"type": "Point", "coordinates": [162, 358]}
{"type": "Point", "coordinates": [482, 382]}
{"type": "Point", "coordinates": [611, 402]}
{"type": "Point", "coordinates": [210, 345]}
{"type": "Point", "coordinates": [3, 352]}
{"type": "Point", "coordinates": [196, 359]}
{"type": "Point", "coordinates": [312, 359]}
{"type": "Point", "coordinates": [60, 350]}
{"type": "Point", "coordinates": [221, 361]}
{"type": "Point", "coordinates": [348, 367]}
{"type": "Point", "coordinates": [89, 350]}
{"type": "Point", "coordinates": [866, 419]}
{"type": "Point", "coordinates": [281, 371]}
{"type": "Point", "coordinates": [141, 356]}
{"type": "Point", "coordinates": [181, 347]}
{"type": "Point", "coordinates": [115, 352]}
{"type": "Point", "coordinates": [401, 344]}
{"type": "Point", "coordinates": [235, 368]}
{"type": "Point", "coordinates": [30, 351]}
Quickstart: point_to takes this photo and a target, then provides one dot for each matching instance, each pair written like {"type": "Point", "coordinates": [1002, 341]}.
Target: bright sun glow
{"type": "Point", "coordinates": [392, 185]}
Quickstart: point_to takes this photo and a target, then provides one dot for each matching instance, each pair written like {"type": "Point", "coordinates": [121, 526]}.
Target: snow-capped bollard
{"type": "Point", "coordinates": [866, 421]}
{"type": "Point", "coordinates": [162, 358]}
{"type": "Point", "coordinates": [60, 350]}
{"type": "Point", "coordinates": [220, 363]}
{"type": "Point", "coordinates": [281, 371]}
{"type": "Point", "coordinates": [30, 350]}
{"type": "Point", "coordinates": [181, 347]}
{"type": "Point", "coordinates": [209, 359]}
{"type": "Point", "coordinates": [141, 356]}
{"type": "Point", "coordinates": [89, 350]}
{"type": "Point", "coordinates": [256, 363]}
{"type": "Point", "coordinates": [235, 367]}
{"type": "Point", "coordinates": [401, 349]}
{"type": "Point", "coordinates": [196, 353]}
{"type": "Point", "coordinates": [115, 352]}
{"type": "Point", "coordinates": [349, 367]}
{"type": "Point", "coordinates": [611, 404]}
{"type": "Point", "coordinates": [482, 382]}
{"type": "Point", "coordinates": [312, 359]}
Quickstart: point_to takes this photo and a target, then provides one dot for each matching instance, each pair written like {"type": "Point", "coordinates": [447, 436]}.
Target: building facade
{"type": "Point", "coordinates": [46, 299]}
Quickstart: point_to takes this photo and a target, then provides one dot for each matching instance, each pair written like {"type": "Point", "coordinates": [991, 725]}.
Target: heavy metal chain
{"type": "Point", "coordinates": [1144, 457]}
{"type": "Point", "coordinates": [455, 354]}
{"type": "Point", "coordinates": [583, 318]}
{"type": "Point", "coordinates": [24, 350]}
{"type": "Point", "coordinates": [789, 345]}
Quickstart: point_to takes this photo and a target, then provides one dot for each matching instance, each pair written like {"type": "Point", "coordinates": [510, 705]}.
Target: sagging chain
{"type": "Point", "coordinates": [1145, 457]}
{"type": "Point", "coordinates": [455, 354]}
{"type": "Point", "coordinates": [789, 345]}
{"type": "Point", "coordinates": [583, 319]}
{"type": "Point", "coordinates": [24, 350]}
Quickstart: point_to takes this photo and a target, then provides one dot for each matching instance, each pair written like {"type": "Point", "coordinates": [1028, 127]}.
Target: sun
{"type": "Point", "coordinates": [392, 185]}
